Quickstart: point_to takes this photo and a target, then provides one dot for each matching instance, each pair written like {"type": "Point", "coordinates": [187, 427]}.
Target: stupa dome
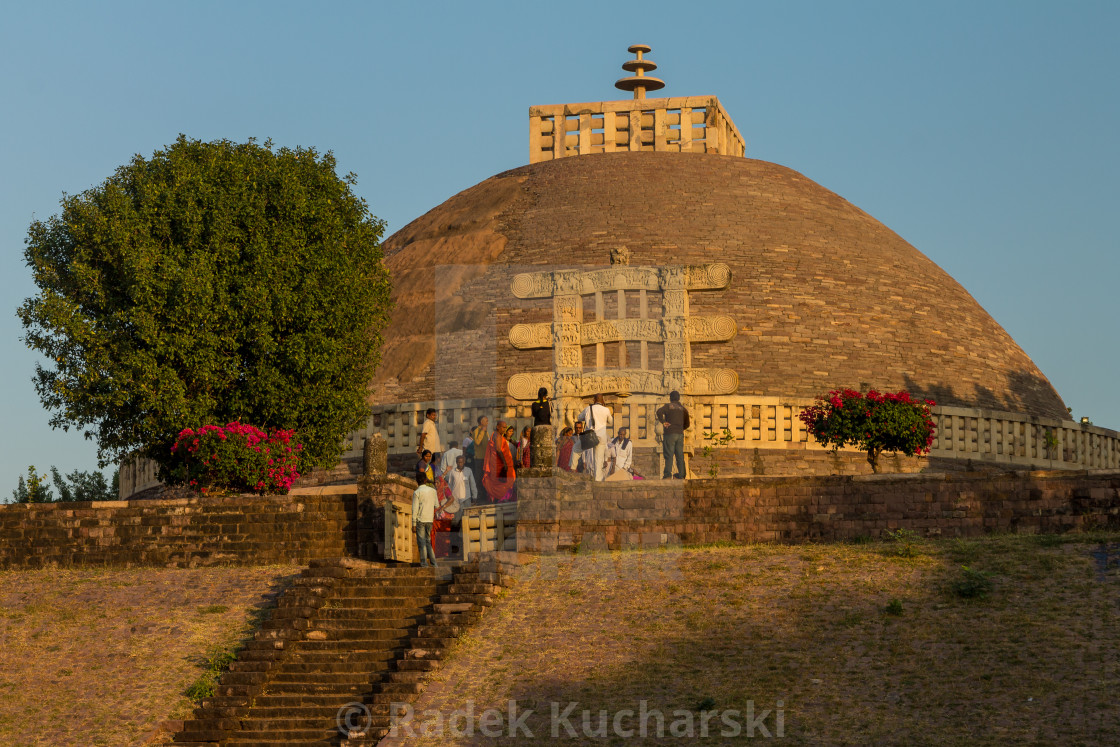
{"type": "Point", "coordinates": [822, 295]}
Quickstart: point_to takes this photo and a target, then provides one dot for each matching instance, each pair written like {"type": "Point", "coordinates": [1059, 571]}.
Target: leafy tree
{"type": "Point", "coordinates": [34, 490]}
{"type": "Point", "coordinates": [76, 486]}
{"type": "Point", "coordinates": [85, 486]}
{"type": "Point", "coordinates": [209, 283]}
{"type": "Point", "coordinates": [873, 423]}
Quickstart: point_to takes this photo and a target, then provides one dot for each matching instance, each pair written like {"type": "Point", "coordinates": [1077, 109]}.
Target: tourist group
{"type": "Point", "coordinates": [483, 468]}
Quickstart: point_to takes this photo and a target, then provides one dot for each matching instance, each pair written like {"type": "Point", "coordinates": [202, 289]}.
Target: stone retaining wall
{"type": "Point", "coordinates": [559, 513]}
{"type": "Point", "coordinates": [317, 522]}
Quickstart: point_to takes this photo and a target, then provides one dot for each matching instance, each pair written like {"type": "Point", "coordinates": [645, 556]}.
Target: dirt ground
{"type": "Point", "coordinates": [877, 643]}
{"type": "Point", "coordinates": [102, 657]}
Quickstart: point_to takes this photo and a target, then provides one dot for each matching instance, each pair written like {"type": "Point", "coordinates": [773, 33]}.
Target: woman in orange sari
{"type": "Point", "coordinates": [498, 472]}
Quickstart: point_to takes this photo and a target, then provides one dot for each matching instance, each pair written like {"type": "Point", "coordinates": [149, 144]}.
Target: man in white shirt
{"type": "Point", "coordinates": [424, 501]}
{"type": "Point", "coordinates": [597, 417]}
{"type": "Point", "coordinates": [461, 482]}
{"type": "Point", "coordinates": [447, 464]}
{"type": "Point", "coordinates": [429, 435]}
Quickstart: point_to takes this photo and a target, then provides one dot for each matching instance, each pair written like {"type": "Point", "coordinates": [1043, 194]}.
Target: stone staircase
{"type": "Point", "coordinates": [346, 632]}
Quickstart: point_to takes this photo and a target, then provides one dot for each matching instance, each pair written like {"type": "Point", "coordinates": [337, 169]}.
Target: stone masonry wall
{"type": "Point", "coordinates": [559, 513]}
{"type": "Point", "coordinates": [313, 522]}
{"type": "Point", "coordinates": [184, 532]}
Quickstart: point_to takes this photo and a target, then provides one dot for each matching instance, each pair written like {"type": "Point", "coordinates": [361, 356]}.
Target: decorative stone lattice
{"type": "Point", "coordinates": [568, 333]}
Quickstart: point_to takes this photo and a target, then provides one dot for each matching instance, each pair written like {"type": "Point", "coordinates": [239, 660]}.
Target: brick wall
{"type": "Point", "coordinates": [561, 512]}
{"type": "Point", "coordinates": [316, 522]}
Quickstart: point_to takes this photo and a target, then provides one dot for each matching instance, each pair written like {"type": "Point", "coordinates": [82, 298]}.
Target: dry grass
{"type": "Point", "coordinates": [860, 643]}
{"type": "Point", "coordinates": [102, 656]}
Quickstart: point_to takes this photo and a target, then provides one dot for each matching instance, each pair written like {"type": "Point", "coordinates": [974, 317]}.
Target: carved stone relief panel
{"type": "Point", "coordinates": [675, 303]}
{"type": "Point", "coordinates": [566, 308]}
{"type": "Point", "coordinates": [526, 336]}
{"type": "Point", "coordinates": [711, 328]}
{"type": "Point", "coordinates": [676, 355]}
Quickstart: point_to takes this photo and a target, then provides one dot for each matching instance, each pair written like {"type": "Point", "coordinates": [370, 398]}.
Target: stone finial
{"type": "Point", "coordinates": [620, 255]}
{"type": "Point", "coordinates": [376, 455]}
{"type": "Point", "coordinates": [639, 83]}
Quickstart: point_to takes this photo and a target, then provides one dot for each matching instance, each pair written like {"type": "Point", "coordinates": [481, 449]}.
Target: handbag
{"type": "Point", "coordinates": [589, 439]}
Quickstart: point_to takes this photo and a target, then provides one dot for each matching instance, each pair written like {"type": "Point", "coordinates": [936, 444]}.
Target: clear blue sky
{"type": "Point", "coordinates": [986, 134]}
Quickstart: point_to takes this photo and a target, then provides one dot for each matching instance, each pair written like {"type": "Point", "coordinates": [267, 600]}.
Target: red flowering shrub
{"type": "Point", "coordinates": [873, 423]}
{"type": "Point", "coordinates": [236, 457]}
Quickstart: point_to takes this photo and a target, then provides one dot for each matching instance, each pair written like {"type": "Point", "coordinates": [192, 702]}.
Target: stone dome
{"type": "Point", "coordinates": [823, 295]}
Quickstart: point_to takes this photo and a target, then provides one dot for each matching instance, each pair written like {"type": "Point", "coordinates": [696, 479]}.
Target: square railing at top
{"type": "Point", "coordinates": [695, 124]}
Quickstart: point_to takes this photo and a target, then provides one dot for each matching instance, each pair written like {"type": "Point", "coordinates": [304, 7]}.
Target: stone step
{"type": "Point", "coordinates": [329, 710]}
{"type": "Point", "coordinates": [302, 688]}
{"type": "Point", "coordinates": [453, 607]}
{"type": "Point", "coordinates": [286, 736]}
{"type": "Point", "coordinates": [312, 659]}
{"type": "Point", "coordinates": [348, 645]}
{"type": "Point", "coordinates": [417, 665]}
{"type": "Point", "coordinates": [342, 665]}
{"type": "Point", "coordinates": [357, 633]}
{"type": "Point", "coordinates": [420, 653]}
{"type": "Point", "coordinates": [406, 677]}
{"type": "Point", "coordinates": [259, 726]}
{"type": "Point", "coordinates": [366, 614]}
{"type": "Point", "coordinates": [487, 589]}
{"type": "Point", "coordinates": [375, 616]}
{"type": "Point", "coordinates": [324, 678]}
{"type": "Point", "coordinates": [372, 602]}
{"type": "Point", "coordinates": [429, 643]}
{"type": "Point", "coordinates": [485, 601]}
{"type": "Point", "coordinates": [439, 631]}
{"type": "Point", "coordinates": [300, 700]}
{"type": "Point", "coordinates": [384, 626]}
{"type": "Point", "coordinates": [388, 698]}
{"type": "Point", "coordinates": [346, 591]}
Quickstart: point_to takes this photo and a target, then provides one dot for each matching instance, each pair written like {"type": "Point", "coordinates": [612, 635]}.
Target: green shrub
{"type": "Point", "coordinates": [903, 543]}
{"type": "Point", "coordinates": [972, 584]}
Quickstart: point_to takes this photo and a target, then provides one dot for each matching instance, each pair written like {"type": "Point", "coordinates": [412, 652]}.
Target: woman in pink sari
{"type": "Point", "coordinates": [498, 471]}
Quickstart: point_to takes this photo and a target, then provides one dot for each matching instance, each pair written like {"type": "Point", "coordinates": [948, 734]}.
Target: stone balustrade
{"type": "Point", "coordinates": [772, 423]}
{"type": "Point", "coordinates": [691, 124]}
{"type": "Point", "coordinates": [765, 423]}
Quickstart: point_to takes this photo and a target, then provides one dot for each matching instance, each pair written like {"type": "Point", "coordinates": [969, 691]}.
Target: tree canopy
{"type": "Point", "coordinates": [209, 283]}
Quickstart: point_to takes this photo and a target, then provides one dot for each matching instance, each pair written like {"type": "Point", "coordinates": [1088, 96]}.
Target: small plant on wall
{"type": "Point", "coordinates": [873, 423]}
{"type": "Point", "coordinates": [712, 441]}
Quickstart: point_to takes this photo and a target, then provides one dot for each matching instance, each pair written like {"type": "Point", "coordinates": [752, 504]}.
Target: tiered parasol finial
{"type": "Point", "coordinates": [639, 83]}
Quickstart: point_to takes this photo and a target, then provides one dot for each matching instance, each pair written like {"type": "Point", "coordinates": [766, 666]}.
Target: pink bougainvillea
{"type": "Point", "coordinates": [237, 456]}
{"type": "Point", "coordinates": [875, 422]}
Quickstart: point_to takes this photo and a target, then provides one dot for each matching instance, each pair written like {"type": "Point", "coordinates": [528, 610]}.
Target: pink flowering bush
{"type": "Point", "coordinates": [236, 457]}
{"type": "Point", "coordinates": [875, 422]}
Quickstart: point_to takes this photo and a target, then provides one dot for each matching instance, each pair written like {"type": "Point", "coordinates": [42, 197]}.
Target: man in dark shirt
{"type": "Point", "coordinates": [674, 422]}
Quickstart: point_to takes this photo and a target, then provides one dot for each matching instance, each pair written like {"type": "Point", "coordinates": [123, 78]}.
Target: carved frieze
{"type": "Point", "coordinates": [710, 328]}
{"type": "Point", "coordinates": [527, 336]}
{"type": "Point", "coordinates": [694, 329]}
{"type": "Point", "coordinates": [621, 277]}
{"type": "Point", "coordinates": [695, 381]}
